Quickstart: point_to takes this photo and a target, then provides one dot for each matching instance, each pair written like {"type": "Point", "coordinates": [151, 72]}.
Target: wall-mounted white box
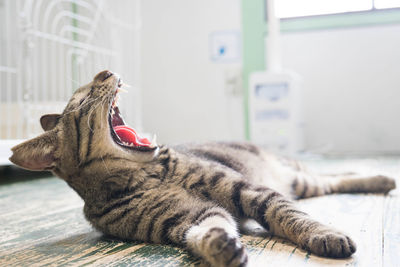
{"type": "Point", "coordinates": [275, 113]}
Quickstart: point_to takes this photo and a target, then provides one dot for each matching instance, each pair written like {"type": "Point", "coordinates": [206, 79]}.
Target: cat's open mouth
{"type": "Point", "coordinates": [123, 134]}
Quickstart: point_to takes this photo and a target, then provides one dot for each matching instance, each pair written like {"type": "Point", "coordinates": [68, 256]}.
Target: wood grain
{"type": "Point", "coordinates": [41, 224]}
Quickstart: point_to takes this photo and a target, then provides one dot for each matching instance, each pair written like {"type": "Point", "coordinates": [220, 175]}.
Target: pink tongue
{"type": "Point", "coordinates": [128, 135]}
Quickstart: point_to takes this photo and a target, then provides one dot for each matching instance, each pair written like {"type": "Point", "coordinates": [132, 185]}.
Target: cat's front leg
{"type": "Point", "coordinates": [279, 215]}
{"type": "Point", "coordinates": [170, 215]}
{"type": "Point", "coordinates": [214, 236]}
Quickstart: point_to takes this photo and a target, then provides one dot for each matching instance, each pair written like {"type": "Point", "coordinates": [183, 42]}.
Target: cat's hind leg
{"type": "Point", "coordinates": [280, 217]}
{"type": "Point", "coordinates": [305, 185]}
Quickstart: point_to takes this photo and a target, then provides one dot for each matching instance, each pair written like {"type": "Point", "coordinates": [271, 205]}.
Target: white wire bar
{"type": "Point", "coordinates": [51, 47]}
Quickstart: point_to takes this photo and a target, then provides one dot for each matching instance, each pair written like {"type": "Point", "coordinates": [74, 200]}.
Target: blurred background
{"type": "Point", "coordinates": [307, 76]}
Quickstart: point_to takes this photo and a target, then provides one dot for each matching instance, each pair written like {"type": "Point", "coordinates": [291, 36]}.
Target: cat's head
{"type": "Point", "coordinates": [90, 128]}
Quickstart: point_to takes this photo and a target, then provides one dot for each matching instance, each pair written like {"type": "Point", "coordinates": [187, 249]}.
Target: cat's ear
{"type": "Point", "coordinates": [49, 121]}
{"type": "Point", "coordinates": [36, 154]}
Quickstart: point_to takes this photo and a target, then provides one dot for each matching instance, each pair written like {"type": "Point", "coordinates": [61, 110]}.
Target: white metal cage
{"type": "Point", "coordinates": [51, 47]}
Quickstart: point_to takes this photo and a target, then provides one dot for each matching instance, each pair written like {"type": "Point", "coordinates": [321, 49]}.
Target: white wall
{"type": "Point", "coordinates": [351, 79]}
{"type": "Point", "coordinates": [351, 87]}
{"type": "Point", "coordinates": [184, 94]}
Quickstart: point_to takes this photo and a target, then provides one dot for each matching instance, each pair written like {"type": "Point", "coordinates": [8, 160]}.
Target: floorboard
{"type": "Point", "coordinates": [391, 232]}
{"type": "Point", "coordinates": [42, 225]}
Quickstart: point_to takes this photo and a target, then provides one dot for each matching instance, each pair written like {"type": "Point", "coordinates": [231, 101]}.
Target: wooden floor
{"type": "Point", "coordinates": [41, 223]}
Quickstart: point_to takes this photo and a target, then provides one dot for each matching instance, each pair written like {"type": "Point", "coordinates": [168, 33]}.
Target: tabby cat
{"type": "Point", "coordinates": [190, 195]}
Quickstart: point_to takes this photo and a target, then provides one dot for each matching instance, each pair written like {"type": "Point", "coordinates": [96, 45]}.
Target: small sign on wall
{"type": "Point", "coordinates": [225, 46]}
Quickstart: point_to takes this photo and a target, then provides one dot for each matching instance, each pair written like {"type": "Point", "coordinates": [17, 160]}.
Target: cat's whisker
{"type": "Point", "coordinates": [105, 165]}
{"type": "Point", "coordinates": [90, 114]}
{"type": "Point", "coordinates": [84, 103]}
{"type": "Point", "coordinates": [102, 110]}
{"type": "Point", "coordinates": [154, 141]}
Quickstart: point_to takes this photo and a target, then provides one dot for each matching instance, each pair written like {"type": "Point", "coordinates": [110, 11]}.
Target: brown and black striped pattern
{"type": "Point", "coordinates": [187, 195]}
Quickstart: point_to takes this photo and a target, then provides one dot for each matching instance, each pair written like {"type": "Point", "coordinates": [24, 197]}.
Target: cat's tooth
{"type": "Point", "coordinates": [122, 90]}
{"type": "Point", "coordinates": [154, 141]}
{"type": "Point", "coordinates": [131, 144]}
{"type": "Point", "coordinates": [115, 100]}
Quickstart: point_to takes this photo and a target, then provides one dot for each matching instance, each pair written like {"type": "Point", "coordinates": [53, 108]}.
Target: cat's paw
{"type": "Point", "coordinates": [383, 184]}
{"type": "Point", "coordinates": [224, 249]}
{"type": "Point", "coordinates": [331, 244]}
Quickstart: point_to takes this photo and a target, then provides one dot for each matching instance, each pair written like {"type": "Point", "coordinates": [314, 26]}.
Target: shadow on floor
{"type": "Point", "coordinates": [13, 174]}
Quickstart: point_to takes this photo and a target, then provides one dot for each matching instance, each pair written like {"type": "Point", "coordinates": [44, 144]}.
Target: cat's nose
{"type": "Point", "coordinates": [102, 76]}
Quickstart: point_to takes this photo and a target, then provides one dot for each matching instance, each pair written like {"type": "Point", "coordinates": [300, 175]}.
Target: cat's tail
{"type": "Point", "coordinates": [306, 185]}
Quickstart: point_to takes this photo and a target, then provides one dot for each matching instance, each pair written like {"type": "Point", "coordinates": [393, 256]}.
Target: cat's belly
{"type": "Point", "coordinates": [267, 170]}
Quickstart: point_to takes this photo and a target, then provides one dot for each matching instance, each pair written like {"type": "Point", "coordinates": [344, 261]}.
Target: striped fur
{"type": "Point", "coordinates": [188, 195]}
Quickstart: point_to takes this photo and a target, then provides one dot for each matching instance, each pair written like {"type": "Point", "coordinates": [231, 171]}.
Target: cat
{"type": "Point", "coordinates": [189, 195]}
